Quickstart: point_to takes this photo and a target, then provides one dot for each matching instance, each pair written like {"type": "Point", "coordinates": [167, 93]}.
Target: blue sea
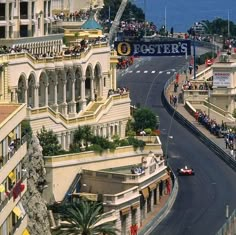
{"type": "Point", "coordinates": [182, 14]}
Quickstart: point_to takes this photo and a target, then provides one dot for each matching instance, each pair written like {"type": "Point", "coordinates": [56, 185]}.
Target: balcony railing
{"type": "Point", "coordinates": [17, 225]}
{"type": "Point", "coordinates": [120, 197]}
{"type": "Point", "coordinates": [10, 193]}
{"type": "Point", "coordinates": [6, 158]}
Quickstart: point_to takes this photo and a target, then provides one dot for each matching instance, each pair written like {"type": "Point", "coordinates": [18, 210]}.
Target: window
{"type": "Point", "coordinates": [44, 9]}
{"type": "Point", "coordinates": [24, 31]}
{"type": "Point", "coordinates": [32, 10]}
{"type": "Point", "coordinates": [49, 8]}
{"type": "Point", "coordinates": [104, 82]}
{"type": "Point", "coordinates": [39, 23]}
{"type": "Point", "coordinates": [10, 11]}
{"type": "Point", "coordinates": [2, 11]}
{"type": "Point", "coordinates": [2, 32]}
{"type": "Point", "coordinates": [24, 10]}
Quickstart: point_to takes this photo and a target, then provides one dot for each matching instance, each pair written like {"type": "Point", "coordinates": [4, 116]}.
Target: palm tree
{"type": "Point", "coordinates": [84, 218]}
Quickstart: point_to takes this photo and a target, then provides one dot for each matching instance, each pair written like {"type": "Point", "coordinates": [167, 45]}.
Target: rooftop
{"type": "Point", "coordinates": [7, 110]}
{"type": "Point", "coordinates": [121, 170]}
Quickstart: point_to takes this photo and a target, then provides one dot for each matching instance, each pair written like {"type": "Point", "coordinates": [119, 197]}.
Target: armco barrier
{"type": "Point", "coordinates": [230, 226]}
{"type": "Point", "coordinates": [210, 144]}
{"type": "Point", "coordinates": [163, 212]}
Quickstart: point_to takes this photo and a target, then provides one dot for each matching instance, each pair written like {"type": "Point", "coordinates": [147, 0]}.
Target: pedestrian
{"type": "Point", "coordinates": [226, 141]}
{"type": "Point", "coordinates": [190, 69]}
{"type": "Point", "coordinates": [177, 78]}
{"type": "Point", "coordinates": [175, 100]}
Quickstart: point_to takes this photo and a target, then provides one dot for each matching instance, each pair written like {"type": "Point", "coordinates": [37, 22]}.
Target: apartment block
{"type": "Point", "coordinates": [13, 182]}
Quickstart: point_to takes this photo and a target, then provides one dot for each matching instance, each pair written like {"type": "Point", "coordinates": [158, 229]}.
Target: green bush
{"type": "Point", "coordinates": [136, 143]}
{"type": "Point", "coordinates": [96, 148]}
{"type": "Point", "coordinates": [26, 129]}
{"type": "Point", "coordinates": [148, 131]}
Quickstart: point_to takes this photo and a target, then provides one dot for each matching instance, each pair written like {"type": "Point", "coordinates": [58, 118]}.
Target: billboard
{"type": "Point", "coordinates": [221, 79]}
{"type": "Point", "coordinates": [156, 48]}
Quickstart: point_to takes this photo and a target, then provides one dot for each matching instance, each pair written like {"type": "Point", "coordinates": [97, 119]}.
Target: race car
{"type": "Point", "coordinates": [185, 171]}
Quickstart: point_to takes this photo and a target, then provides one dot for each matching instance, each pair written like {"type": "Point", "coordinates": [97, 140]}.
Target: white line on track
{"type": "Point", "coordinates": [145, 71]}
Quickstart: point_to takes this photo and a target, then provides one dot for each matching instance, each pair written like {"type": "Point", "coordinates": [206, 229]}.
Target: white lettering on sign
{"type": "Point", "coordinates": [157, 49]}
{"type": "Point", "coordinates": [221, 79]}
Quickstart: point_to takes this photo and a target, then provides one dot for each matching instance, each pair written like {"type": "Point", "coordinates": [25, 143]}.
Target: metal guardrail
{"type": "Point", "coordinates": [213, 146]}
{"type": "Point", "coordinates": [163, 212]}
{"type": "Point", "coordinates": [230, 226]}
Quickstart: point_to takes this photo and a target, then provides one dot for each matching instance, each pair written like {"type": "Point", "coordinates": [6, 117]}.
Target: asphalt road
{"type": "Point", "coordinates": [200, 204]}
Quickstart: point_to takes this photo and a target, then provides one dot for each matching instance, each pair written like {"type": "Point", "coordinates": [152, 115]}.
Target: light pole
{"type": "Point", "coordinates": [228, 25]}
{"type": "Point", "coordinates": [165, 21]}
{"type": "Point", "coordinates": [194, 57]}
{"type": "Point", "coordinates": [168, 134]}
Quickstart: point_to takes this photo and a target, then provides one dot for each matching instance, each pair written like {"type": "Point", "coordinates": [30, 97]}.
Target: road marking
{"type": "Point", "coordinates": [168, 72]}
{"type": "Point", "coordinates": [138, 71]}
{"type": "Point", "coordinates": [136, 66]}
{"type": "Point", "coordinates": [130, 71]}
{"type": "Point", "coordinates": [145, 71]}
{"type": "Point", "coordinates": [160, 72]}
{"type": "Point", "coordinates": [153, 71]}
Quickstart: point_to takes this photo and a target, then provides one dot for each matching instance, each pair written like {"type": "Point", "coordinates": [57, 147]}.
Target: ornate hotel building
{"type": "Point", "coordinates": [13, 183]}
{"type": "Point", "coordinates": [61, 90]}
{"type": "Point", "coordinates": [63, 87]}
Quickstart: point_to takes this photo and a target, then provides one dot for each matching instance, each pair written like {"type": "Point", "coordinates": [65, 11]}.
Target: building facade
{"type": "Point", "coordinates": [13, 182]}
{"type": "Point", "coordinates": [128, 196]}
{"type": "Point", "coordinates": [25, 18]}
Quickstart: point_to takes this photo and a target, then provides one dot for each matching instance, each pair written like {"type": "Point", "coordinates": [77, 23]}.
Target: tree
{"type": "Point", "coordinates": [144, 118]}
{"type": "Point", "coordinates": [83, 134]}
{"type": "Point", "coordinates": [26, 129]}
{"type": "Point", "coordinates": [49, 142]}
{"type": "Point", "coordinates": [84, 218]}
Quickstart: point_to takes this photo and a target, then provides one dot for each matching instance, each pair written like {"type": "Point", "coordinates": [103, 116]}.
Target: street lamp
{"type": "Point", "coordinates": [168, 134]}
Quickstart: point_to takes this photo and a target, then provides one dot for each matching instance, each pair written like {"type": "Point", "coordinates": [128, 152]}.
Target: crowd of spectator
{"type": "Point", "coordinates": [75, 49]}
{"type": "Point", "coordinates": [188, 85]}
{"type": "Point", "coordinates": [137, 170]}
{"type": "Point", "coordinates": [220, 130]}
{"type": "Point", "coordinates": [10, 50]}
{"type": "Point", "coordinates": [73, 16]}
{"type": "Point", "coordinates": [119, 90]}
{"type": "Point", "coordinates": [136, 28]}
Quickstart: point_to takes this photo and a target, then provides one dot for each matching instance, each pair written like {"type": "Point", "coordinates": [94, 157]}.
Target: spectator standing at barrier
{"type": "Point", "coordinates": [176, 86]}
{"type": "Point", "coordinates": [190, 69]}
{"type": "Point", "coordinates": [175, 100]}
{"type": "Point", "coordinates": [177, 78]}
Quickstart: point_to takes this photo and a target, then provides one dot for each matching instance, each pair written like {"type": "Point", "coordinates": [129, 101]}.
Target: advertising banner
{"type": "Point", "coordinates": [156, 48]}
{"type": "Point", "coordinates": [221, 79]}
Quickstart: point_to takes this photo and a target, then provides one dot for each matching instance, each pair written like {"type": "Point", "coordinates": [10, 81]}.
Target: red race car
{"type": "Point", "coordinates": [185, 171]}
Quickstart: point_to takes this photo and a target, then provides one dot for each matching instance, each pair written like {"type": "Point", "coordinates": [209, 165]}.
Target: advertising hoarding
{"type": "Point", "coordinates": [221, 79]}
{"type": "Point", "coordinates": [155, 48]}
